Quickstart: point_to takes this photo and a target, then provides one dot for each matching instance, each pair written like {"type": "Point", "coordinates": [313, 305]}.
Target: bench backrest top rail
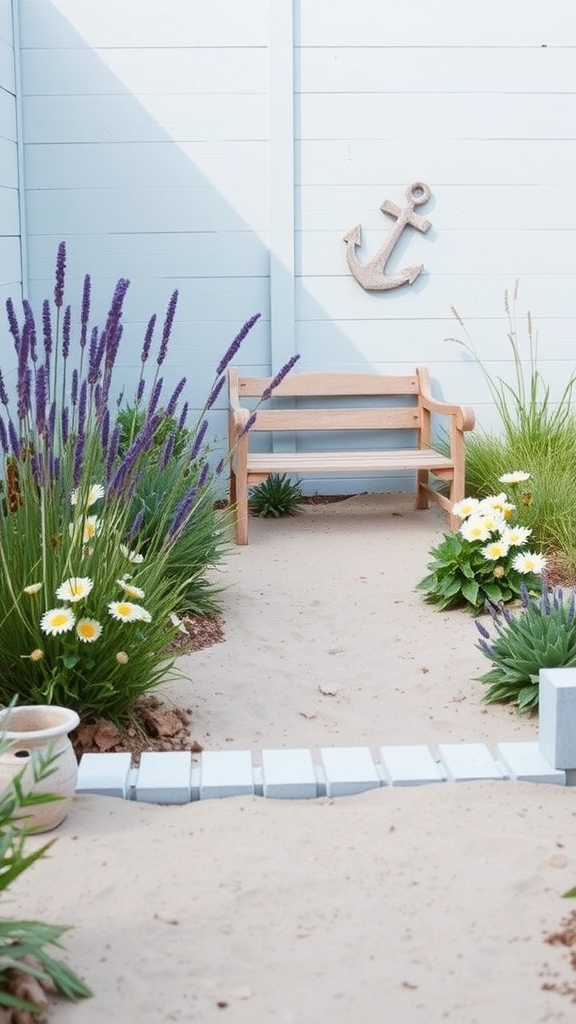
{"type": "Point", "coordinates": [328, 384]}
{"type": "Point", "coordinates": [337, 419]}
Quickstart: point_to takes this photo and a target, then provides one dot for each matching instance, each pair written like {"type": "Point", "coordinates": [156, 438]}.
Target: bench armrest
{"type": "Point", "coordinates": [239, 414]}
{"type": "Point", "coordinates": [464, 416]}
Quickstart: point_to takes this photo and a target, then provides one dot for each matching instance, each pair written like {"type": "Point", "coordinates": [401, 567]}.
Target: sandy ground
{"type": "Point", "coordinates": [423, 904]}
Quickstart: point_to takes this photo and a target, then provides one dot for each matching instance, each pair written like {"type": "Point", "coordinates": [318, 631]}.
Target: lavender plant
{"type": "Point", "coordinates": [86, 598]}
{"type": "Point", "coordinates": [541, 635]}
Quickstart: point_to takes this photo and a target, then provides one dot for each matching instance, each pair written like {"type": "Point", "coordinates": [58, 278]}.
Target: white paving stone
{"type": "Point", "coordinates": [526, 763]}
{"type": "Point", "coordinates": [348, 770]}
{"type": "Point", "coordinates": [226, 773]}
{"type": "Point", "coordinates": [409, 766]}
{"type": "Point", "coordinates": [164, 777]}
{"type": "Point", "coordinates": [104, 774]}
{"type": "Point", "coordinates": [289, 774]}
{"type": "Point", "coordinates": [468, 762]}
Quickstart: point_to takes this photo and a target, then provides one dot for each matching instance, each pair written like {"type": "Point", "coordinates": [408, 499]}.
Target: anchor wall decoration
{"type": "Point", "coordinates": [371, 275]}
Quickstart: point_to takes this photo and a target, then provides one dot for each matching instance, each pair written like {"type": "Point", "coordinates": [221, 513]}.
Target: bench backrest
{"type": "Point", "coordinates": [370, 401]}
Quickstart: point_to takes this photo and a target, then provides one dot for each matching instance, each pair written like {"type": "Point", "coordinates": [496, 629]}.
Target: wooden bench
{"type": "Point", "coordinates": [308, 402]}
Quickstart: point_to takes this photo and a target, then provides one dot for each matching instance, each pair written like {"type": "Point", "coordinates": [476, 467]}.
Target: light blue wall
{"type": "Point", "coordinates": [10, 255]}
{"type": "Point", "coordinates": [225, 148]}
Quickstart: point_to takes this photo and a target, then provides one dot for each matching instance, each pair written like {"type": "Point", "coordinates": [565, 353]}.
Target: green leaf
{"type": "Point", "coordinates": [570, 895]}
{"type": "Point", "coordinates": [470, 591]}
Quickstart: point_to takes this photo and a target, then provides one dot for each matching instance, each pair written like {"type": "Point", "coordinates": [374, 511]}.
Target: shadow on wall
{"type": "Point", "coordinates": [133, 158]}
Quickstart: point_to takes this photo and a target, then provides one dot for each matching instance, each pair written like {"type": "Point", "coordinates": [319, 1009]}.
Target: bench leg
{"type": "Point", "coordinates": [422, 499]}
{"type": "Point", "coordinates": [241, 510]}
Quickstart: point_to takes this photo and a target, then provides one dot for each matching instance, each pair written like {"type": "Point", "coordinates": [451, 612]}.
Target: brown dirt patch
{"type": "Point", "coordinates": [155, 725]}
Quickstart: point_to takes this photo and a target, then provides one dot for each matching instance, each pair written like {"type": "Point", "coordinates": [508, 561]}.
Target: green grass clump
{"type": "Point", "coordinates": [277, 496]}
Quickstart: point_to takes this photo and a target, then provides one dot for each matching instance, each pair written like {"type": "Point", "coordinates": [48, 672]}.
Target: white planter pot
{"type": "Point", "coordinates": [32, 730]}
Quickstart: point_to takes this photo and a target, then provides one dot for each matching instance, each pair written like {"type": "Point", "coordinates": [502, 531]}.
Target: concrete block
{"type": "Point", "coordinates": [348, 770]}
{"type": "Point", "coordinates": [164, 777]}
{"type": "Point", "coordinates": [104, 774]}
{"type": "Point", "coordinates": [226, 773]}
{"type": "Point", "coordinates": [289, 774]}
{"type": "Point", "coordinates": [409, 766]}
{"type": "Point", "coordinates": [320, 780]}
{"type": "Point", "coordinates": [258, 780]}
{"type": "Point", "coordinates": [467, 762]}
{"type": "Point", "coordinates": [557, 716]}
{"type": "Point", "coordinates": [525, 762]}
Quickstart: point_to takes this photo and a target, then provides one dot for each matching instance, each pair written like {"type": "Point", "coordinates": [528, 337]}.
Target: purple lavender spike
{"type": "Point", "coordinates": [212, 397]}
{"type": "Point", "coordinates": [525, 596]}
{"type": "Point", "coordinates": [51, 421]}
{"type": "Point", "coordinates": [482, 629]}
{"type": "Point", "coordinates": [96, 353]}
{"type": "Point", "coordinates": [60, 275]}
{"type": "Point", "coordinates": [74, 388]}
{"type": "Point", "coordinates": [140, 390]}
{"type": "Point", "coordinates": [183, 417]}
{"type": "Point", "coordinates": [249, 424]}
{"type": "Point", "coordinates": [37, 469]}
{"type": "Point", "coordinates": [136, 525]}
{"type": "Point", "coordinates": [13, 323]}
{"type": "Point", "coordinates": [3, 393]}
{"type": "Point", "coordinates": [279, 377]}
{"type": "Point", "coordinates": [30, 325]}
{"type": "Point", "coordinates": [219, 467]}
{"type": "Point", "coordinates": [203, 475]}
{"type": "Point", "coordinates": [14, 440]}
{"type": "Point", "coordinates": [168, 451]}
{"type": "Point", "coordinates": [47, 329]}
{"type": "Point", "coordinates": [155, 397]}
{"type": "Point", "coordinates": [4, 437]}
{"type": "Point", "coordinates": [148, 338]}
{"type": "Point", "coordinates": [113, 448]}
{"type": "Point", "coordinates": [112, 346]}
{"type": "Point", "coordinates": [544, 596]}
{"type": "Point", "coordinates": [198, 440]}
{"type": "Point", "coordinates": [41, 397]}
{"type": "Point", "coordinates": [66, 323]}
{"type": "Point", "coordinates": [55, 468]}
{"type": "Point", "coordinates": [23, 378]}
{"type": "Point", "coordinates": [181, 514]}
{"type": "Point", "coordinates": [171, 407]}
{"type": "Point", "coordinates": [78, 459]}
{"type": "Point", "coordinates": [169, 320]}
{"type": "Point", "coordinates": [65, 421]}
{"type": "Point", "coordinates": [85, 314]}
{"type": "Point", "coordinates": [82, 406]}
{"type": "Point", "coordinates": [235, 345]}
{"type": "Point", "coordinates": [485, 646]}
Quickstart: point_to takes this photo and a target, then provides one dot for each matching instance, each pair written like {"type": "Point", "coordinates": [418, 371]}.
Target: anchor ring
{"type": "Point", "coordinates": [418, 193]}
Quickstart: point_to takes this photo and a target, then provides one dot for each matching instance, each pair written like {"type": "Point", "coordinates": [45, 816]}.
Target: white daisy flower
{"type": "Point", "coordinates": [125, 611]}
{"type": "Point", "coordinates": [130, 590]}
{"type": "Point", "coordinates": [32, 588]}
{"type": "Point", "coordinates": [465, 508]}
{"type": "Point", "coordinates": [529, 561]}
{"type": "Point", "coordinates": [74, 589]}
{"type": "Point", "coordinates": [92, 527]}
{"type": "Point", "coordinates": [96, 491]}
{"type": "Point", "coordinates": [515, 536]}
{"type": "Point", "coordinates": [132, 556]}
{"type": "Point", "coordinates": [88, 630]}
{"type": "Point", "coordinates": [514, 478]}
{"type": "Point", "coordinates": [495, 550]}
{"type": "Point", "coordinates": [474, 528]}
{"type": "Point", "coordinates": [57, 620]}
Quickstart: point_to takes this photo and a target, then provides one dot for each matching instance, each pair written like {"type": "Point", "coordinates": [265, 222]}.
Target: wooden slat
{"type": "Point", "coordinates": [337, 419]}
{"type": "Point", "coordinates": [347, 462]}
{"type": "Point", "coordinates": [331, 384]}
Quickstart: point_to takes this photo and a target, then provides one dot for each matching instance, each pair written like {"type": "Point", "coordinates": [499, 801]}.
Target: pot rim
{"type": "Point", "coordinates": [68, 720]}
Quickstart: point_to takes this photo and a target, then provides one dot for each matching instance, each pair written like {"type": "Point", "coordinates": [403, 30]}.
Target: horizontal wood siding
{"type": "Point", "coordinates": [483, 110]}
{"type": "Point", "coordinates": [10, 262]}
{"type": "Point", "coordinates": [147, 146]}
{"type": "Point", "coordinates": [161, 143]}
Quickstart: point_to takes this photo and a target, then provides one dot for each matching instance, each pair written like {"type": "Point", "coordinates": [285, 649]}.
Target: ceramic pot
{"type": "Point", "coordinates": [32, 730]}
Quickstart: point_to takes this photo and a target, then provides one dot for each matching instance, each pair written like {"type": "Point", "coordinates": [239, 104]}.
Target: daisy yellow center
{"type": "Point", "coordinates": [59, 619]}
{"type": "Point", "coordinates": [87, 629]}
{"type": "Point", "coordinates": [124, 609]}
